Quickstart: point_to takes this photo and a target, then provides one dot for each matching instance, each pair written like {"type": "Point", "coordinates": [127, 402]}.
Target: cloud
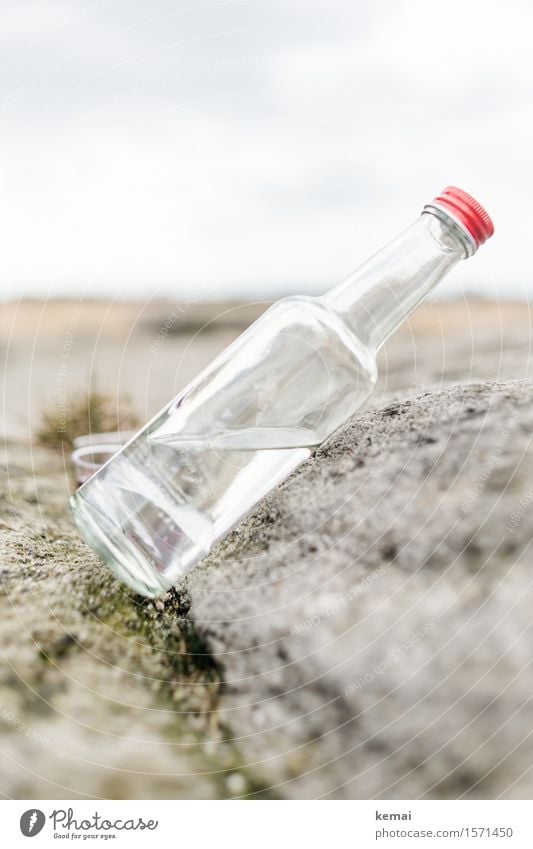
{"type": "Point", "coordinates": [253, 148]}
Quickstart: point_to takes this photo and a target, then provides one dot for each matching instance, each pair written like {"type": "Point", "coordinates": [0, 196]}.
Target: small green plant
{"type": "Point", "coordinates": [92, 412]}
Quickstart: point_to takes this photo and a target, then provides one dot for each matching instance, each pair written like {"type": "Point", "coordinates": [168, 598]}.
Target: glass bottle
{"type": "Point", "coordinates": [257, 412]}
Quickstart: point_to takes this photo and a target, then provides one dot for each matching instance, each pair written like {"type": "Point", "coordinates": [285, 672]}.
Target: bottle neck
{"type": "Point", "coordinates": [376, 298]}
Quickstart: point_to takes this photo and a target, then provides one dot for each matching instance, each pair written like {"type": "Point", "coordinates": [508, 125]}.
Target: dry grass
{"type": "Point", "coordinates": [92, 412]}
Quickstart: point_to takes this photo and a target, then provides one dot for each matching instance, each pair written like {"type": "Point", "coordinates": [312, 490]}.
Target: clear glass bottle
{"type": "Point", "coordinates": [258, 411]}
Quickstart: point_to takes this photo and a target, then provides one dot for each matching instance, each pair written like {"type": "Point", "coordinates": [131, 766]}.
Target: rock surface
{"type": "Point", "coordinates": [373, 618]}
{"type": "Point", "coordinates": [100, 692]}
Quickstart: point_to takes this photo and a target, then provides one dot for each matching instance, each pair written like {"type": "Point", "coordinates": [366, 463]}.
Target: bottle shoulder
{"type": "Point", "coordinates": [302, 310]}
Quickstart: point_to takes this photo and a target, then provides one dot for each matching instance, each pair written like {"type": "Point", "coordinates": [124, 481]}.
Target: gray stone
{"type": "Point", "coordinates": [372, 619]}
{"type": "Point", "coordinates": [100, 692]}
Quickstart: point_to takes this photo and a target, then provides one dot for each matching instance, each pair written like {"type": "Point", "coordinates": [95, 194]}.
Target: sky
{"type": "Point", "coordinates": [254, 148]}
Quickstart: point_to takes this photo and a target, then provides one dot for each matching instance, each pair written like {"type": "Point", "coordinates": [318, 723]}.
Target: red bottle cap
{"type": "Point", "coordinates": [468, 212]}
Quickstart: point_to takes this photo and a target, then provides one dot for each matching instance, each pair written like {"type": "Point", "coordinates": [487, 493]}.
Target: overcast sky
{"type": "Point", "coordinates": [255, 147]}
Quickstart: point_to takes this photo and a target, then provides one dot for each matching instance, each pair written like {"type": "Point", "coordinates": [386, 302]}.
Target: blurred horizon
{"type": "Point", "coordinates": [245, 150]}
{"type": "Point", "coordinates": [168, 300]}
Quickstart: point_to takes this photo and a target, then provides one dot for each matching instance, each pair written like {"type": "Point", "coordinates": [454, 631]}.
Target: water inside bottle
{"type": "Point", "coordinates": [199, 486]}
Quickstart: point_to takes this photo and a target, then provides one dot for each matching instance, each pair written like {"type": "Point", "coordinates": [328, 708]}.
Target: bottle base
{"type": "Point", "coordinates": [122, 556]}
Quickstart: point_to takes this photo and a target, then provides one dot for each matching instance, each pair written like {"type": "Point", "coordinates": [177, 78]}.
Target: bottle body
{"type": "Point", "coordinates": [257, 412]}
{"type": "Point", "coordinates": [248, 421]}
